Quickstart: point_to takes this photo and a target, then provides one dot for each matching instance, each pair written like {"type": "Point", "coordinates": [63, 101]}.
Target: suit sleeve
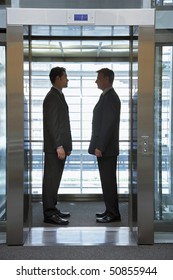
{"type": "Point", "coordinates": [53, 120]}
{"type": "Point", "coordinates": [110, 118]}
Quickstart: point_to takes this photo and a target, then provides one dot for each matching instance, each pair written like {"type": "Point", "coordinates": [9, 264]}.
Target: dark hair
{"type": "Point", "coordinates": [106, 72]}
{"type": "Point", "coordinates": [56, 71]}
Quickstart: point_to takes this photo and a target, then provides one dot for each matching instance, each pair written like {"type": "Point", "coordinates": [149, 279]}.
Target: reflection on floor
{"type": "Point", "coordinates": [2, 237]}
{"type": "Point", "coordinates": [163, 237]}
{"type": "Point", "coordinates": [52, 236]}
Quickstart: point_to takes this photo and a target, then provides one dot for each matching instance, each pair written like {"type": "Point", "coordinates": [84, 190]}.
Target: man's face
{"type": "Point", "coordinates": [101, 81]}
{"type": "Point", "coordinates": [62, 82]}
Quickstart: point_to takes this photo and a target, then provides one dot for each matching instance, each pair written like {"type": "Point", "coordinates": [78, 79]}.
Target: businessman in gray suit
{"type": "Point", "coordinates": [104, 143]}
{"type": "Point", "coordinates": [57, 145]}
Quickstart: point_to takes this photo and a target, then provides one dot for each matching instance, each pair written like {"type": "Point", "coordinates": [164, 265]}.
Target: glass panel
{"type": "Point", "coordinates": [164, 134]}
{"type": "Point", "coordinates": [168, 2]}
{"type": "Point", "coordinates": [2, 135]}
{"type": "Point", "coordinates": [81, 172]}
{"type": "Point", "coordinates": [73, 48]}
{"type": "Point", "coordinates": [80, 30]}
{"type": "Point", "coordinates": [5, 2]}
{"type": "Point", "coordinates": [66, 31]}
{"type": "Point", "coordinates": [27, 148]}
{"type": "Point", "coordinates": [134, 144]}
{"type": "Point", "coordinates": [162, 3]}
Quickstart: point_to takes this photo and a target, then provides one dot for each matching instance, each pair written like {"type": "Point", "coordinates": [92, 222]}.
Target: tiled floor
{"type": "Point", "coordinates": [80, 236]}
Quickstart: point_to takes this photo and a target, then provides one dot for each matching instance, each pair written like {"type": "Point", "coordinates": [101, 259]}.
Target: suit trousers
{"type": "Point", "coordinates": [107, 168]}
{"type": "Point", "coordinates": [53, 170]}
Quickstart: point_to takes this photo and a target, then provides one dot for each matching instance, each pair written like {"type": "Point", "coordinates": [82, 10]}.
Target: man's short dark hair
{"type": "Point", "coordinates": [106, 72]}
{"type": "Point", "coordinates": [56, 71]}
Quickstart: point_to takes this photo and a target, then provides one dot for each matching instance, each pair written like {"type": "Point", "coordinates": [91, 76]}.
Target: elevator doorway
{"type": "Point", "coordinates": [82, 51]}
{"type": "Point", "coordinates": [82, 56]}
{"type": "Point", "coordinates": [144, 156]}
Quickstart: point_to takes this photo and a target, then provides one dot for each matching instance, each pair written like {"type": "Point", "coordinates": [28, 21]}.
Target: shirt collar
{"type": "Point", "coordinates": [106, 90]}
{"type": "Point", "coordinates": [60, 90]}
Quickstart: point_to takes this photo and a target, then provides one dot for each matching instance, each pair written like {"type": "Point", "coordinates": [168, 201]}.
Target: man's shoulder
{"type": "Point", "coordinates": [50, 98]}
{"type": "Point", "coordinates": [111, 93]}
{"type": "Point", "coordinates": [53, 92]}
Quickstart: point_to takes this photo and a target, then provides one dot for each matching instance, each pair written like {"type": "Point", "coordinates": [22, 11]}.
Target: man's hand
{"type": "Point", "coordinates": [61, 153]}
{"type": "Point", "coordinates": [98, 153]}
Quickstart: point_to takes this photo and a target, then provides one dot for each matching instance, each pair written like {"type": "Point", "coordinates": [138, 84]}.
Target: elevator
{"type": "Point", "coordinates": [142, 185]}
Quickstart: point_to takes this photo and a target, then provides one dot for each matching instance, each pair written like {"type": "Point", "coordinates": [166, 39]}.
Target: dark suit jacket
{"type": "Point", "coordinates": [56, 123]}
{"type": "Point", "coordinates": [105, 124]}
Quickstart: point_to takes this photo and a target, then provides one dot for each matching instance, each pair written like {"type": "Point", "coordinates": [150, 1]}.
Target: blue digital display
{"type": "Point", "coordinates": [80, 17]}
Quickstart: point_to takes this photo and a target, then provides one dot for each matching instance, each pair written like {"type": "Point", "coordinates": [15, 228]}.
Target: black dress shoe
{"type": "Point", "coordinates": [108, 219]}
{"type": "Point", "coordinates": [62, 214]}
{"type": "Point", "coordinates": [101, 215]}
{"type": "Point", "coordinates": [55, 219]}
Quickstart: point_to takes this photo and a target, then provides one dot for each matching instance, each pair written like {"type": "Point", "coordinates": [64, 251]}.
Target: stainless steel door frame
{"type": "Point", "coordinates": [15, 128]}
{"type": "Point", "coordinates": [16, 19]}
{"type": "Point", "coordinates": [145, 136]}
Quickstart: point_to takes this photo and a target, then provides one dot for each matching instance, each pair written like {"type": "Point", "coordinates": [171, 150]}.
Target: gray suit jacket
{"type": "Point", "coordinates": [105, 124]}
{"type": "Point", "coordinates": [56, 123]}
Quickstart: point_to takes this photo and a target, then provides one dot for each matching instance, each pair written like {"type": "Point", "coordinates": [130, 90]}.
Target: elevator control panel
{"type": "Point", "coordinates": [75, 17]}
{"type": "Point", "coordinates": [145, 150]}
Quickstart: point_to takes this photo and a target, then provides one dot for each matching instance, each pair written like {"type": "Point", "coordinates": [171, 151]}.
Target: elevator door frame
{"type": "Point", "coordinates": [16, 19]}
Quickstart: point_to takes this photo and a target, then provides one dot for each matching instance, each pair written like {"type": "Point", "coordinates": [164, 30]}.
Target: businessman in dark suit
{"type": "Point", "coordinates": [57, 145]}
{"type": "Point", "coordinates": [104, 143]}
